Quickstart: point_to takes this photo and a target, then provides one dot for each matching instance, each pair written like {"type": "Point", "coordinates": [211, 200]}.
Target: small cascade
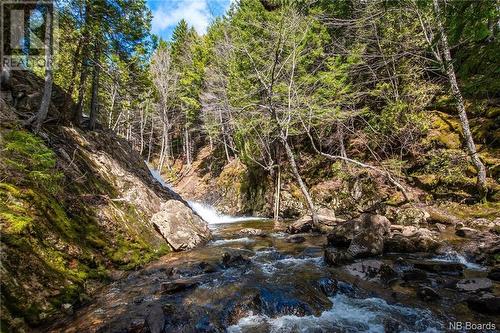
{"type": "Point", "coordinates": [157, 176]}
{"type": "Point", "coordinates": [455, 257]}
{"type": "Point", "coordinates": [212, 216]}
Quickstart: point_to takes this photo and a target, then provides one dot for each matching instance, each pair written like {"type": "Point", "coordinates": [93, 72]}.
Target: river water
{"type": "Point", "coordinates": [265, 281]}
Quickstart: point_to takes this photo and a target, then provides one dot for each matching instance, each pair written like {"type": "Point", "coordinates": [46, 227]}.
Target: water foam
{"type": "Point", "coordinates": [348, 314]}
{"type": "Point", "coordinates": [212, 216]}
{"type": "Point", "coordinates": [456, 257]}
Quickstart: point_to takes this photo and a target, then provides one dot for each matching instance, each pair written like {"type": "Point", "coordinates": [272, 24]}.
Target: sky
{"type": "Point", "coordinates": [197, 13]}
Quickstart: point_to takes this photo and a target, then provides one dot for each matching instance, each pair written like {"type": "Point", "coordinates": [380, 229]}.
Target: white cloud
{"type": "Point", "coordinates": [169, 13]}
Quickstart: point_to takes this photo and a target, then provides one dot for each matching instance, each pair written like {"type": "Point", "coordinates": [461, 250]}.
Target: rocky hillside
{"type": "Point", "coordinates": [77, 209]}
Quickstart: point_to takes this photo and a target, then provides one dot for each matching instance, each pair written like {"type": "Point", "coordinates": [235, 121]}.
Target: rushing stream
{"type": "Point", "coordinates": [262, 280]}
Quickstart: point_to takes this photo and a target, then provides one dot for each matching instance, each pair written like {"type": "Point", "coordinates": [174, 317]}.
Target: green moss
{"type": "Point", "coordinates": [27, 154]}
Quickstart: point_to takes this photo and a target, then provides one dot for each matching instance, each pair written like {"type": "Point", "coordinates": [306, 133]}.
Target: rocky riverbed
{"type": "Point", "coordinates": [255, 277]}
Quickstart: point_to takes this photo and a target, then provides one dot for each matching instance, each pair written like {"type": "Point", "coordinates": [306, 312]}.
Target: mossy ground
{"type": "Point", "coordinates": [53, 241]}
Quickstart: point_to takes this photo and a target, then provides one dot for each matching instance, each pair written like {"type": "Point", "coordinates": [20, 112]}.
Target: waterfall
{"type": "Point", "coordinates": [212, 216]}
{"type": "Point", "coordinates": [207, 212]}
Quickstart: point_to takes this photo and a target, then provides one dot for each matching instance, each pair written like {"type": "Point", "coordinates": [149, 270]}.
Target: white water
{"type": "Point", "coordinates": [456, 257]}
{"type": "Point", "coordinates": [207, 212]}
{"type": "Point", "coordinates": [156, 175]}
{"type": "Point", "coordinates": [212, 216]}
{"type": "Point", "coordinates": [347, 315]}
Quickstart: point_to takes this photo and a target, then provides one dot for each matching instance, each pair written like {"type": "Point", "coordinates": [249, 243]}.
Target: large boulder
{"type": "Point", "coordinates": [370, 240]}
{"type": "Point", "coordinates": [410, 240]}
{"type": "Point", "coordinates": [180, 227]}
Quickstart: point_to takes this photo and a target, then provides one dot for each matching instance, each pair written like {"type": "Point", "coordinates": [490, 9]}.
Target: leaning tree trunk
{"type": "Point", "coordinates": [47, 91]}
{"type": "Point", "coordinates": [302, 185]}
{"type": "Point", "coordinates": [457, 95]}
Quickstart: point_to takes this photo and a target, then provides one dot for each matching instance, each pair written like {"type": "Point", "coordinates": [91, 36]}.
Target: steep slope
{"type": "Point", "coordinates": [77, 208]}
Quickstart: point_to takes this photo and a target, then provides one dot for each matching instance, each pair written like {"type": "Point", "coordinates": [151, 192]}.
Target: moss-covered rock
{"type": "Point", "coordinates": [74, 207]}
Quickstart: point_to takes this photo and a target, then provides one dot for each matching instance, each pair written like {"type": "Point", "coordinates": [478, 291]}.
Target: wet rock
{"type": "Point", "coordinates": [342, 234]}
{"type": "Point", "coordinates": [414, 275]}
{"type": "Point", "coordinates": [338, 240]}
{"type": "Point", "coordinates": [427, 294]}
{"type": "Point", "coordinates": [494, 273]}
{"type": "Point", "coordinates": [251, 232]}
{"type": "Point", "coordinates": [420, 240]}
{"type": "Point", "coordinates": [180, 227]}
{"type": "Point", "coordinates": [234, 259]}
{"type": "Point", "coordinates": [336, 258]}
{"type": "Point", "coordinates": [302, 225]}
{"type": "Point", "coordinates": [399, 244]}
{"type": "Point", "coordinates": [155, 320]}
{"type": "Point", "coordinates": [366, 270]}
{"type": "Point", "coordinates": [206, 267]}
{"type": "Point", "coordinates": [387, 273]}
{"type": "Point", "coordinates": [295, 239]}
{"type": "Point", "coordinates": [446, 268]}
{"type": "Point", "coordinates": [177, 286]}
{"type": "Point", "coordinates": [467, 232]}
{"type": "Point", "coordinates": [328, 286]}
{"type": "Point", "coordinates": [475, 284]}
{"type": "Point", "coordinates": [486, 303]}
{"type": "Point", "coordinates": [246, 304]}
{"type": "Point", "coordinates": [366, 243]}
{"type": "Point", "coordinates": [278, 303]}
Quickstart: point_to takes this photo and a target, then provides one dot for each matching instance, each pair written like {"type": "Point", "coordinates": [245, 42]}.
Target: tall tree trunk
{"type": "Point", "coordinates": [277, 195]}
{"type": "Point", "coordinates": [457, 95]}
{"type": "Point", "coordinates": [163, 147]}
{"type": "Point", "coordinates": [94, 102]}
{"type": "Point", "coordinates": [47, 91]}
{"type": "Point", "coordinates": [150, 144]}
{"type": "Point", "coordinates": [187, 143]}
{"type": "Point", "coordinates": [78, 112]}
{"type": "Point", "coordinates": [302, 185]}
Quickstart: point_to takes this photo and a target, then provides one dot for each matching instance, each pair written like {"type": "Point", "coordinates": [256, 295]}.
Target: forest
{"type": "Point", "coordinates": [299, 112]}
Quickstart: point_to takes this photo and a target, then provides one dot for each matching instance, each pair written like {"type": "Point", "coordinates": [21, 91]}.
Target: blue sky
{"type": "Point", "coordinates": [198, 13]}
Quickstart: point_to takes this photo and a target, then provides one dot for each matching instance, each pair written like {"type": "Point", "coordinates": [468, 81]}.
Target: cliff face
{"type": "Point", "coordinates": [76, 210]}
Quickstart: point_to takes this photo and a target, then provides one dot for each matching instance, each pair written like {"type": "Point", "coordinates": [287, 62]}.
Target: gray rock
{"type": "Point", "coordinates": [366, 270]}
{"type": "Point", "coordinates": [180, 227]}
{"type": "Point", "coordinates": [446, 268]}
{"type": "Point", "coordinates": [475, 284]}
{"type": "Point", "coordinates": [427, 294]}
{"type": "Point", "coordinates": [336, 258]}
